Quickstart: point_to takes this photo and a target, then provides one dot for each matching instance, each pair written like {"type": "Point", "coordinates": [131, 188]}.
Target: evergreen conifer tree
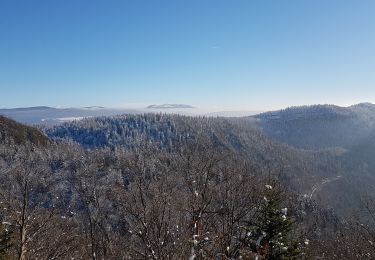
{"type": "Point", "coordinates": [268, 236]}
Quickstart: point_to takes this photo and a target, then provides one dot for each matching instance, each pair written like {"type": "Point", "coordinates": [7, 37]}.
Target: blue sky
{"type": "Point", "coordinates": [228, 54]}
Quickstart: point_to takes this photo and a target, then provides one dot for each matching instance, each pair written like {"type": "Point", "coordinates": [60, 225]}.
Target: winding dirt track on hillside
{"type": "Point", "coordinates": [319, 186]}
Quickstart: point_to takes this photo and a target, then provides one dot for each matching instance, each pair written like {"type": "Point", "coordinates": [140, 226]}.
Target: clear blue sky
{"type": "Point", "coordinates": [231, 53]}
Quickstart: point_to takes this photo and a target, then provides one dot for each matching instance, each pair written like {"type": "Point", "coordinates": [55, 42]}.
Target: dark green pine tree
{"type": "Point", "coordinates": [269, 236]}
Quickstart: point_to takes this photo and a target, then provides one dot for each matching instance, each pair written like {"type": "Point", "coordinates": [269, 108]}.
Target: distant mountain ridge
{"type": "Point", "coordinates": [320, 126]}
{"type": "Point", "coordinates": [304, 112]}
{"type": "Point", "coordinates": [37, 108]}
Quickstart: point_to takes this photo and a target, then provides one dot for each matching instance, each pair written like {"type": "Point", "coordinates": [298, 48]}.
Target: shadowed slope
{"type": "Point", "coordinates": [13, 132]}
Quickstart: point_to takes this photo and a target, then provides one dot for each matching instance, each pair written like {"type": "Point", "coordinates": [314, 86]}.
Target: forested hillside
{"type": "Point", "coordinates": [161, 186]}
{"type": "Point", "coordinates": [12, 132]}
{"type": "Point", "coordinates": [326, 175]}
{"type": "Point", "coordinates": [299, 169]}
{"type": "Point", "coordinates": [320, 126]}
{"type": "Point", "coordinates": [348, 130]}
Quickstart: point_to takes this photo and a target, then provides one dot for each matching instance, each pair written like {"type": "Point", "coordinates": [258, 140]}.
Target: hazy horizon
{"type": "Point", "coordinates": [205, 108]}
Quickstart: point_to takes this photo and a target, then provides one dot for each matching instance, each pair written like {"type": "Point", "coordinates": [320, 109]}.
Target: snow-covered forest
{"type": "Point", "coordinates": [159, 186]}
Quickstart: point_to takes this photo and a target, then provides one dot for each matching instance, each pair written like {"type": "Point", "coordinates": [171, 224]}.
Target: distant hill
{"type": "Point", "coordinates": [320, 126]}
{"type": "Point", "coordinates": [12, 132]}
{"type": "Point", "coordinates": [25, 109]}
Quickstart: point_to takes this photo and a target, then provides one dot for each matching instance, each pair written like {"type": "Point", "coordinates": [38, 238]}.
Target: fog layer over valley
{"type": "Point", "coordinates": [44, 115]}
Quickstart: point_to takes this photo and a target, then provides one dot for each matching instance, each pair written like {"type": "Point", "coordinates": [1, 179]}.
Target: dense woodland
{"type": "Point", "coordinates": [160, 186]}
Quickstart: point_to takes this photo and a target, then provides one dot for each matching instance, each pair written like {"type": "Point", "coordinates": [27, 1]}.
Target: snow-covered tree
{"type": "Point", "coordinates": [269, 234]}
